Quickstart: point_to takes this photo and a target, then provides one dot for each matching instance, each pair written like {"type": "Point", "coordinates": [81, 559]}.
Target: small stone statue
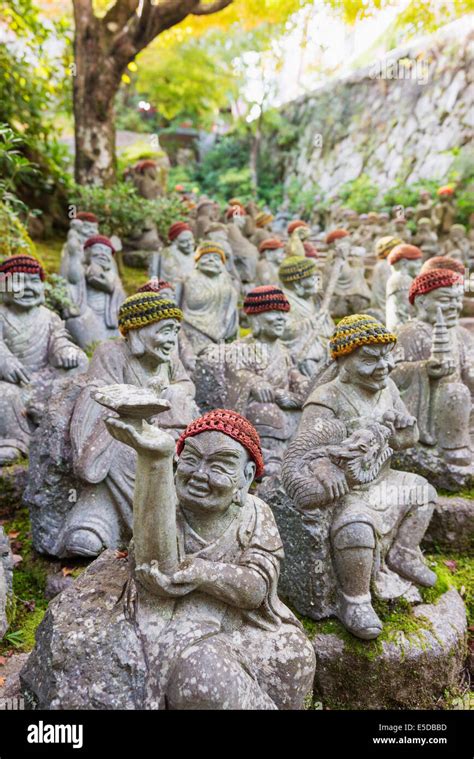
{"type": "Point", "coordinates": [149, 178]}
{"type": "Point", "coordinates": [399, 228]}
{"type": "Point", "coordinates": [144, 358]}
{"type": "Point", "coordinates": [35, 349]}
{"type": "Point", "coordinates": [272, 253]}
{"type": "Point", "coordinates": [207, 213]}
{"type": "Point", "coordinates": [298, 232]}
{"type": "Point", "coordinates": [244, 253]}
{"type": "Point", "coordinates": [177, 261]}
{"type": "Point", "coordinates": [6, 580]}
{"type": "Point", "coordinates": [405, 262]}
{"type": "Point", "coordinates": [438, 387]}
{"type": "Point", "coordinates": [192, 619]}
{"type": "Point", "coordinates": [81, 227]}
{"type": "Point", "coordinates": [425, 206]}
{"type": "Point", "coordinates": [209, 299]}
{"type": "Point", "coordinates": [338, 473]}
{"type": "Point", "coordinates": [345, 268]}
{"type": "Point", "coordinates": [263, 230]}
{"type": "Point", "coordinates": [426, 239]}
{"type": "Point", "coordinates": [307, 328]}
{"type": "Point", "coordinates": [457, 245]}
{"type": "Point", "coordinates": [381, 273]}
{"type": "Point", "coordinates": [443, 214]}
{"type": "Point", "coordinates": [96, 289]}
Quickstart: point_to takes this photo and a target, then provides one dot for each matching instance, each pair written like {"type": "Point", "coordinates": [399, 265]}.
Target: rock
{"type": "Point", "coordinates": [409, 672]}
{"type": "Point", "coordinates": [6, 580]}
{"type": "Point", "coordinates": [137, 259]}
{"type": "Point", "coordinates": [10, 678]}
{"type": "Point", "coordinates": [427, 462]}
{"type": "Point", "coordinates": [452, 525]}
{"type": "Point", "coordinates": [12, 483]}
{"type": "Point", "coordinates": [55, 584]}
{"type": "Point", "coordinates": [103, 669]}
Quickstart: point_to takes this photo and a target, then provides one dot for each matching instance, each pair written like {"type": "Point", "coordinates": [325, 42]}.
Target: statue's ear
{"type": "Point", "coordinates": [249, 473]}
{"type": "Point", "coordinates": [135, 342]}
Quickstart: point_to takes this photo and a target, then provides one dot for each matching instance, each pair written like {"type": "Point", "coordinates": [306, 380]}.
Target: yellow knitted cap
{"type": "Point", "coordinates": [356, 330]}
{"type": "Point", "coordinates": [208, 246]}
{"type": "Point", "coordinates": [146, 308]}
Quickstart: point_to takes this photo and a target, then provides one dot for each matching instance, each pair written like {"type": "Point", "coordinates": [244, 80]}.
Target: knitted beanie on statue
{"type": "Point", "coordinates": [443, 262]}
{"type": "Point", "coordinates": [356, 330]}
{"type": "Point", "coordinates": [177, 228]}
{"type": "Point", "coordinates": [21, 264]}
{"type": "Point", "coordinates": [336, 234]}
{"type": "Point", "coordinates": [273, 243]}
{"type": "Point", "coordinates": [295, 225]}
{"type": "Point", "coordinates": [86, 216]}
{"type": "Point", "coordinates": [208, 246]}
{"type": "Point", "coordinates": [266, 298]}
{"type": "Point", "coordinates": [384, 245]}
{"type": "Point", "coordinates": [99, 240]}
{"type": "Point", "coordinates": [433, 280]}
{"type": "Point", "coordinates": [295, 268]}
{"type": "Point", "coordinates": [262, 219]}
{"type": "Point", "coordinates": [404, 251]}
{"type": "Point", "coordinates": [155, 285]}
{"type": "Point", "coordinates": [146, 308]}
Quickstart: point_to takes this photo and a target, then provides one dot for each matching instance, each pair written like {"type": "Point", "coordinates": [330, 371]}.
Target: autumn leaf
{"type": "Point", "coordinates": [3, 660]}
{"type": "Point", "coordinates": [17, 559]}
{"type": "Point", "coordinates": [452, 565]}
{"type": "Point", "coordinates": [14, 534]}
{"type": "Point", "coordinates": [121, 554]}
{"type": "Point", "coordinates": [65, 571]}
{"type": "Point", "coordinates": [2, 681]}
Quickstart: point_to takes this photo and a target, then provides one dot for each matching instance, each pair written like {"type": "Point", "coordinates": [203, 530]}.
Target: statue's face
{"type": "Point", "coordinates": [101, 256]}
{"type": "Point", "coordinates": [211, 471]}
{"type": "Point", "coordinates": [424, 195]}
{"type": "Point", "coordinates": [270, 324]}
{"type": "Point", "coordinates": [414, 266]}
{"type": "Point", "coordinates": [275, 256]}
{"type": "Point", "coordinates": [159, 340]}
{"type": "Point", "coordinates": [239, 220]}
{"type": "Point", "coordinates": [303, 233]}
{"type": "Point", "coordinates": [89, 229]}
{"type": "Point", "coordinates": [369, 366]}
{"type": "Point", "coordinates": [185, 243]}
{"type": "Point", "coordinates": [449, 299]}
{"type": "Point", "coordinates": [307, 287]}
{"type": "Point", "coordinates": [343, 245]}
{"type": "Point", "coordinates": [210, 264]}
{"type": "Point", "coordinates": [457, 234]}
{"type": "Point", "coordinates": [27, 292]}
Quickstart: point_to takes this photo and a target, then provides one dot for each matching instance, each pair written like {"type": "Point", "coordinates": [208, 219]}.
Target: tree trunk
{"type": "Point", "coordinates": [255, 153]}
{"type": "Point", "coordinates": [95, 145]}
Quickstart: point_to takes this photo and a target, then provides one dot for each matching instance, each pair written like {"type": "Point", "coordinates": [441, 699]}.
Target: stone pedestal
{"type": "Point", "coordinates": [410, 670]}
{"type": "Point", "coordinates": [452, 525]}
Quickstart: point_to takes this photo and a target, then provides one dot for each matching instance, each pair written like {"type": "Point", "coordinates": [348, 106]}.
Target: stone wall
{"type": "Point", "coordinates": [404, 118]}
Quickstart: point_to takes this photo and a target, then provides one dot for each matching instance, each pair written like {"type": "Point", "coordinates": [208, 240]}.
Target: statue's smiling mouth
{"type": "Point", "coordinates": [198, 489]}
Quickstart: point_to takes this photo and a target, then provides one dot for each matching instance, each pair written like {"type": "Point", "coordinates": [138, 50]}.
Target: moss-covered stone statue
{"type": "Point", "coordinates": [35, 350]}
{"type": "Point", "coordinates": [381, 273]}
{"type": "Point", "coordinates": [191, 619]}
{"type": "Point", "coordinates": [175, 262]}
{"type": "Point", "coordinates": [272, 253]}
{"type": "Point", "coordinates": [405, 262]}
{"type": "Point", "coordinates": [368, 520]}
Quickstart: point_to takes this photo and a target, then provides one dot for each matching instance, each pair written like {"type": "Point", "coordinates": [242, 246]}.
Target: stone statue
{"type": "Point", "coordinates": [272, 253]}
{"type": "Point", "coordinates": [95, 288]}
{"type": "Point", "coordinates": [149, 177]}
{"type": "Point", "coordinates": [207, 214]}
{"type": "Point", "coordinates": [426, 239]}
{"type": "Point", "coordinates": [457, 245]}
{"type": "Point", "coordinates": [193, 610]}
{"type": "Point", "coordinates": [424, 207]}
{"type": "Point", "coordinates": [399, 228]}
{"type": "Point", "coordinates": [209, 299]}
{"type": "Point", "coordinates": [344, 274]}
{"type": "Point", "coordinates": [263, 228]}
{"type": "Point", "coordinates": [405, 263]}
{"type": "Point", "coordinates": [81, 227]}
{"type": "Point", "coordinates": [143, 359]}
{"type": "Point", "coordinates": [298, 232]}
{"type": "Point", "coordinates": [35, 350]}
{"type": "Point", "coordinates": [444, 212]}
{"type": "Point", "coordinates": [370, 517]}
{"type": "Point", "coordinates": [308, 327]}
{"type": "Point", "coordinates": [6, 580]}
{"type": "Point", "coordinates": [245, 254]}
{"type": "Point", "coordinates": [435, 371]}
{"type": "Point", "coordinates": [381, 273]}
{"type": "Point", "coordinates": [174, 263]}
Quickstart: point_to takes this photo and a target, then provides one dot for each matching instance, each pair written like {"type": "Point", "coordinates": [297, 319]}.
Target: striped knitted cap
{"type": "Point", "coordinates": [21, 264]}
{"type": "Point", "coordinates": [336, 234]}
{"type": "Point", "coordinates": [433, 280]}
{"type": "Point", "coordinates": [155, 285]}
{"type": "Point", "coordinates": [208, 246]}
{"type": "Point", "coordinates": [384, 245]}
{"type": "Point", "coordinates": [231, 424]}
{"type": "Point", "coordinates": [404, 251]}
{"type": "Point", "coordinates": [273, 243]}
{"type": "Point", "coordinates": [356, 330]}
{"type": "Point", "coordinates": [443, 262]}
{"type": "Point", "coordinates": [145, 308]}
{"type": "Point", "coordinates": [99, 240]}
{"type": "Point", "coordinates": [86, 216]}
{"type": "Point", "coordinates": [177, 228]}
{"type": "Point", "coordinates": [295, 268]}
{"type": "Point", "coordinates": [295, 225]}
{"type": "Point", "coordinates": [262, 219]}
{"type": "Point", "coordinates": [265, 298]}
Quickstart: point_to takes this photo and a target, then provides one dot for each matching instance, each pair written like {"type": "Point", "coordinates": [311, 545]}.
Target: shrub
{"type": "Point", "coordinates": [360, 194]}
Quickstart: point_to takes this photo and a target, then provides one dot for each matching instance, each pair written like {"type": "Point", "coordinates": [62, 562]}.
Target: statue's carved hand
{"type": "Point", "coordinates": [438, 369]}
{"type": "Point", "coordinates": [149, 439]}
{"type": "Point", "coordinates": [263, 393]}
{"type": "Point", "coordinates": [306, 367]}
{"type": "Point", "coordinates": [194, 571]}
{"type": "Point", "coordinates": [332, 479]}
{"type": "Point", "coordinates": [161, 584]}
{"type": "Point", "coordinates": [285, 400]}
{"type": "Point", "coordinates": [12, 370]}
{"type": "Point", "coordinates": [398, 419]}
{"type": "Point", "coordinates": [68, 358]}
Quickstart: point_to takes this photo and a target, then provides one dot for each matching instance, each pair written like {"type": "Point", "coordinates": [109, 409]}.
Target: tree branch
{"type": "Point", "coordinates": [214, 7]}
{"type": "Point", "coordinates": [120, 13]}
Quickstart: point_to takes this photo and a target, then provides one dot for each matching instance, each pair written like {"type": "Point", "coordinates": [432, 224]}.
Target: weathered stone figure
{"type": "Point", "coordinates": [444, 211]}
{"type": "Point", "coordinates": [405, 262]}
{"type": "Point", "coordinates": [272, 253]}
{"type": "Point", "coordinates": [307, 328]}
{"type": "Point", "coordinates": [144, 358]}
{"type": "Point", "coordinates": [196, 611]}
{"type": "Point", "coordinates": [457, 245]}
{"type": "Point", "coordinates": [337, 470]}
{"type": "Point", "coordinates": [298, 233]}
{"type": "Point", "coordinates": [245, 254]}
{"type": "Point", "coordinates": [346, 266]}
{"type": "Point", "coordinates": [82, 226]}
{"type": "Point", "coordinates": [35, 349]}
{"type": "Point", "coordinates": [263, 231]}
{"type": "Point", "coordinates": [435, 373]}
{"type": "Point", "coordinates": [96, 289]}
{"type": "Point", "coordinates": [177, 261]}
{"type": "Point", "coordinates": [381, 273]}
{"type": "Point", "coordinates": [426, 238]}
{"type": "Point", "coordinates": [209, 299]}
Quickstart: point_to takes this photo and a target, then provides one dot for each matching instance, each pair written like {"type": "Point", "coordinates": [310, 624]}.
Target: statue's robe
{"type": "Point", "coordinates": [37, 338]}
{"type": "Point", "coordinates": [249, 637]}
{"type": "Point", "coordinates": [398, 308]}
{"type": "Point", "coordinates": [98, 311]}
{"type": "Point", "coordinates": [210, 309]}
{"type": "Point", "coordinates": [105, 466]}
{"type": "Point", "coordinates": [352, 293]}
{"type": "Point", "coordinates": [382, 271]}
{"type": "Point", "coordinates": [307, 330]}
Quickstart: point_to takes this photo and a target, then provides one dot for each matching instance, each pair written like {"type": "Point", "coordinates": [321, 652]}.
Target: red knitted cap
{"type": "Point", "coordinates": [273, 243]}
{"type": "Point", "coordinates": [99, 240]}
{"type": "Point", "coordinates": [336, 234]}
{"type": "Point", "coordinates": [231, 424]}
{"type": "Point", "coordinates": [445, 190]}
{"type": "Point", "coordinates": [155, 286]}
{"type": "Point", "coordinates": [410, 252]}
{"type": "Point", "coordinates": [433, 280]}
{"type": "Point", "coordinates": [443, 262]}
{"type": "Point", "coordinates": [265, 298]}
{"type": "Point", "coordinates": [147, 163]}
{"type": "Point", "coordinates": [175, 230]}
{"type": "Point", "coordinates": [295, 225]}
{"type": "Point", "coordinates": [86, 216]}
{"type": "Point", "coordinates": [21, 264]}
{"type": "Point", "coordinates": [235, 210]}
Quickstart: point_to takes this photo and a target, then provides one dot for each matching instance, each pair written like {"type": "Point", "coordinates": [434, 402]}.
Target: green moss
{"type": "Point", "coordinates": [463, 493]}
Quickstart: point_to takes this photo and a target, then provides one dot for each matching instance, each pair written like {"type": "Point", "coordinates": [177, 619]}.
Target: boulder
{"type": "Point", "coordinates": [6, 579]}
